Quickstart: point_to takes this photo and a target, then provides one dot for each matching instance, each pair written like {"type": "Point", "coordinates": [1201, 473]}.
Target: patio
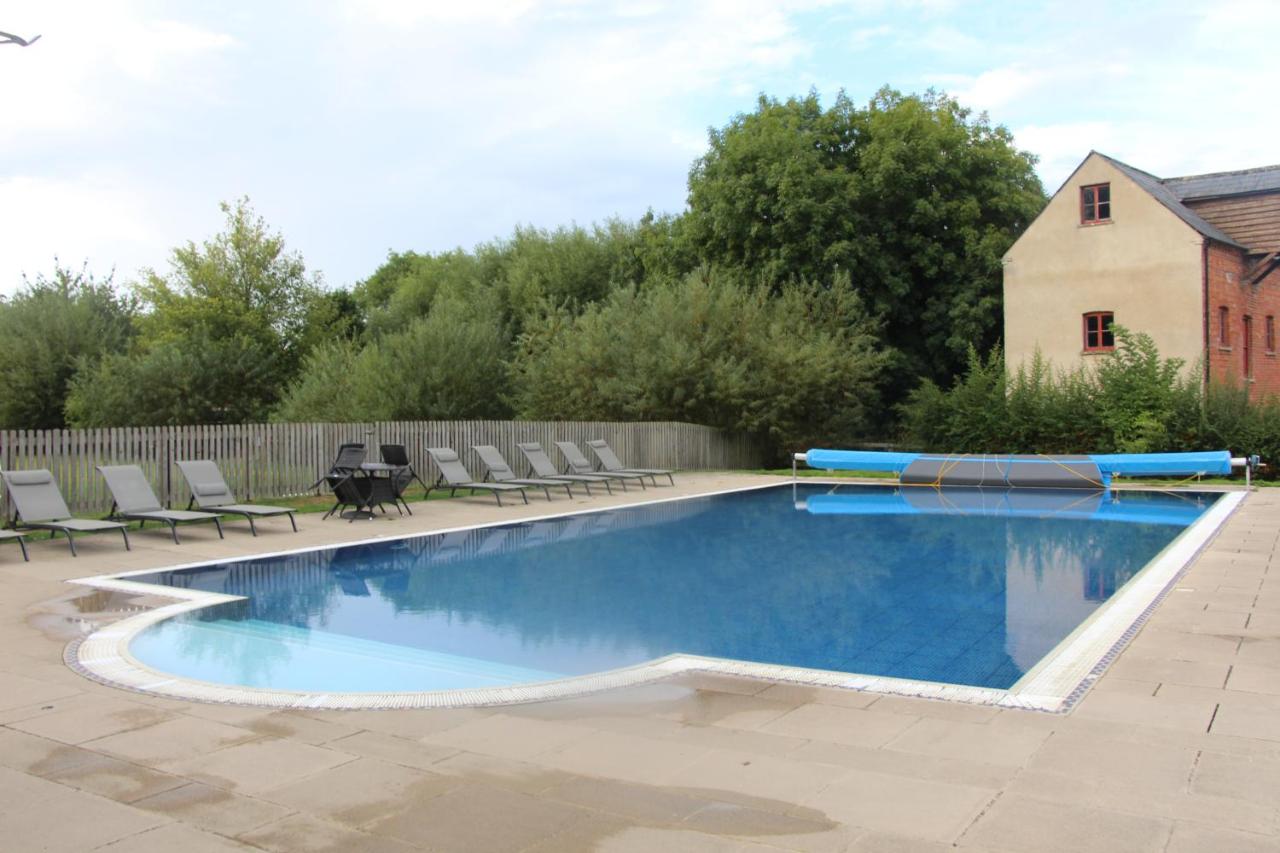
{"type": "Point", "coordinates": [1176, 748]}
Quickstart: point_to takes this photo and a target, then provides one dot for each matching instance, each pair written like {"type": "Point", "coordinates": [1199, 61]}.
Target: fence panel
{"type": "Point", "coordinates": [264, 461]}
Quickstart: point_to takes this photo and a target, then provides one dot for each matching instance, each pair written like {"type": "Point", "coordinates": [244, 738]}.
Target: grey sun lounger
{"type": "Point", "coordinates": [580, 464]}
{"type": "Point", "coordinates": [133, 500]}
{"type": "Point", "coordinates": [210, 492]}
{"type": "Point", "coordinates": [39, 505]}
{"type": "Point", "coordinates": [456, 476]}
{"type": "Point", "coordinates": [501, 472]}
{"type": "Point", "coordinates": [17, 536]}
{"type": "Point", "coordinates": [542, 466]}
{"type": "Point", "coordinates": [610, 462]}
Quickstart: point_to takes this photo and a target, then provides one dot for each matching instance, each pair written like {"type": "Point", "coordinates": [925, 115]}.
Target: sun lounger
{"type": "Point", "coordinates": [501, 472]}
{"type": "Point", "coordinates": [541, 465]}
{"type": "Point", "coordinates": [17, 536]}
{"type": "Point", "coordinates": [456, 476]}
{"type": "Point", "coordinates": [39, 505]}
{"type": "Point", "coordinates": [210, 492]}
{"type": "Point", "coordinates": [580, 464]}
{"type": "Point", "coordinates": [133, 500]}
{"type": "Point", "coordinates": [610, 462]}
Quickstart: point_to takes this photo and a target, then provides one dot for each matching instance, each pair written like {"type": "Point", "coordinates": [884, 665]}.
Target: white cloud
{"type": "Point", "coordinates": [101, 222]}
{"type": "Point", "coordinates": [998, 87]}
{"type": "Point", "coordinates": [93, 68]}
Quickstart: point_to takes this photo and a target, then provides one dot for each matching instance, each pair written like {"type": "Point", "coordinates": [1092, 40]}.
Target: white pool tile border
{"type": "Point", "coordinates": [1053, 685]}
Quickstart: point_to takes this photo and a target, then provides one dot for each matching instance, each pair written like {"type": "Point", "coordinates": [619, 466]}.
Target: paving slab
{"type": "Point", "coordinates": [851, 726]}
{"type": "Point", "coordinates": [172, 740]}
{"type": "Point", "coordinates": [259, 765]}
{"type": "Point", "coordinates": [1197, 838]}
{"type": "Point", "coordinates": [480, 819]}
{"type": "Point", "coordinates": [175, 837]}
{"type": "Point", "coordinates": [39, 815]}
{"type": "Point", "coordinates": [215, 809]}
{"type": "Point", "coordinates": [361, 791]}
{"type": "Point", "coordinates": [1018, 823]}
{"type": "Point", "coordinates": [898, 805]}
{"type": "Point", "coordinates": [300, 833]}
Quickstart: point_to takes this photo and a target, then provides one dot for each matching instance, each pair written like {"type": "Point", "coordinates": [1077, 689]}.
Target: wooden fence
{"type": "Point", "coordinates": [262, 461]}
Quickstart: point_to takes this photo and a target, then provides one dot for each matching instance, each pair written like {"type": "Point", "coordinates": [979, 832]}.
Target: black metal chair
{"type": "Point", "coordinates": [342, 481]}
{"type": "Point", "coordinates": [395, 454]}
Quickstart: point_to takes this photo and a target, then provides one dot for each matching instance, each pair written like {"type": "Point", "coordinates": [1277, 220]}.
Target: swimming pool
{"type": "Point", "coordinates": [963, 587]}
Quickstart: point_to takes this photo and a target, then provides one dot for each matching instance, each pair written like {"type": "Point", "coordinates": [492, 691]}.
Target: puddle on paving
{"type": "Point", "coordinates": [78, 613]}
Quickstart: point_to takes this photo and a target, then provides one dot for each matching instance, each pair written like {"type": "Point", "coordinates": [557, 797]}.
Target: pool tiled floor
{"type": "Point", "coordinates": [1176, 749]}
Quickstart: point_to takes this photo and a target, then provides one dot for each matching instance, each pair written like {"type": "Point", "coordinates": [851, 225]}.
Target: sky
{"type": "Point", "coordinates": [359, 128]}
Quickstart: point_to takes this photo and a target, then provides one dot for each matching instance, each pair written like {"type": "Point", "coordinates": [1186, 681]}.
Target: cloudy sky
{"type": "Point", "coordinates": [359, 126]}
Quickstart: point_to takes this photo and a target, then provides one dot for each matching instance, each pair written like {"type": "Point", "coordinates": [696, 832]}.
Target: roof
{"type": "Point", "coordinates": [1160, 190]}
{"type": "Point", "coordinates": [1217, 184]}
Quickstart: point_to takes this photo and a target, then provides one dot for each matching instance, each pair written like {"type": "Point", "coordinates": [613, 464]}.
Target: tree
{"type": "Point", "coordinates": [445, 365]}
{"type": "Point", "coordinates": [224, 333]}
{"type": "Point", "coordinates": [912, 196]}
{"type": "Point", "coordinates": [795, 369]}
{"type": "Point", "coordinates": [48, 330]}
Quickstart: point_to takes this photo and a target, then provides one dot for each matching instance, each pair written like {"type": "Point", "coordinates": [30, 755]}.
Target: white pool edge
{"type": "Point", "coordinates": [1053, 685]}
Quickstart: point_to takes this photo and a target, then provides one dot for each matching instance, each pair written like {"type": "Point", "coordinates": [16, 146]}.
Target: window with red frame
{"type": "Point", "coordinates": [1270, 331]}
{"type": "Point", "coordinates": [1097, 331]}
{"type": "Point", "coordinates": [1224, 329]}
{"type": "Point", "coordinates": [1246, 347]}
{"type": "Point", "coordinates": [1095, 204]}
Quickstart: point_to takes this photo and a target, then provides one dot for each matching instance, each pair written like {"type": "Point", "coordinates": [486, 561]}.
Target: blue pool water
{"type": "Point", "coordinates": [963, 586]}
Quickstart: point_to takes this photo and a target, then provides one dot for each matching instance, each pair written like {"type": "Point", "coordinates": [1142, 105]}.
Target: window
{"type": "Point", "coordinates": [1097, 331]}
{"type": "Point", "coordinates": [1246, 347]}
{"type": "Point", "coordinates": [1224, 329]}
{"type": "Point", "coordinates": [1270, 330]}
{"type": "Point", "coordinates": [1095, 204]}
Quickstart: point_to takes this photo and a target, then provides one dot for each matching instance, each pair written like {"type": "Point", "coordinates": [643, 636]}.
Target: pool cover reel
{"type": "Point", "coordinates": [1092, 471]}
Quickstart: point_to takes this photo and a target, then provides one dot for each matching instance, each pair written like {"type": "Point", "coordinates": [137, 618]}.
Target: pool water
{"type": "Point", "coordinates": [963, 586]}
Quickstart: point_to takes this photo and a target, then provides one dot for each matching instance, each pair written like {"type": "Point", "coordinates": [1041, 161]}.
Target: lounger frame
{"type": "Point", "coordinates": [210, 500]}
{"type": "Point", "coordinates": [153, 510]}
{"type": "Point", "coordinates": [455, 475]}
{"type": "Point", "coordinates": [57, 518]}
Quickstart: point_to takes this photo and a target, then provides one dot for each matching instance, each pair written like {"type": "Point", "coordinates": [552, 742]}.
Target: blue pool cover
{"type": "Point", "coordinates": [964, 586]}
{"type": "Point", "coordinates": [1085, 471]}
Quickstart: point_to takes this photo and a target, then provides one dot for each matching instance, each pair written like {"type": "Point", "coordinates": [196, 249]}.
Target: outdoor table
{"type": "Point", "coordinates": [376, 483]}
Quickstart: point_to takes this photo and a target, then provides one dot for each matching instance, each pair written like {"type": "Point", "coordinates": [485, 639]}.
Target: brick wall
{"type": "Point", "coordinates": [1227, 289]}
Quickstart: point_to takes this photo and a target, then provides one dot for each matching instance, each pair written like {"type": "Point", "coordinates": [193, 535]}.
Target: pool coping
{"type": "Point", "coordinates": [1054, 685]}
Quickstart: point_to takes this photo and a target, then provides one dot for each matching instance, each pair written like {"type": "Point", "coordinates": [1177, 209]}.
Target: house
{"type": "Point", "coordinates": [1193, 261]}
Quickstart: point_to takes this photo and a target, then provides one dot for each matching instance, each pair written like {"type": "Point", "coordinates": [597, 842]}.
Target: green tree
{"type": "Point", "coordinates": [223, 334]}
{"type": "Point", "coordinates": [445, 365]}
{"type": "Point", "coordinates": [51, 328]}
{"type": "Point", "coordinates": [913, 196]}
{"type": "Point", "coordinates": [795, 369]}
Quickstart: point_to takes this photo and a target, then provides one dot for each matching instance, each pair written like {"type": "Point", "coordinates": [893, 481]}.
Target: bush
{"type": "Point", "coordinates": [1130, 401]}
{"type": "Point", "coordinates": [445, 365]}
{"type": "Point", "coordinates": [795, 370]}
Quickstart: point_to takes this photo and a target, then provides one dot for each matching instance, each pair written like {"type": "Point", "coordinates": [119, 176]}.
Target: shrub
{"type": "Point", "coordinates": [795, 370]}
{"type": "Point", "coordinates": [1130, 401]}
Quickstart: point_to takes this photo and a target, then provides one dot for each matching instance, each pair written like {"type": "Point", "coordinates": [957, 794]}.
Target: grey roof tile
{"type": "Point", "coordinates": [1217, 184]}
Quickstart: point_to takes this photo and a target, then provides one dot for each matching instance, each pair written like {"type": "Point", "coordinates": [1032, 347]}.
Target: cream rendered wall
{"type": "Point", "coordinates": [1145, 266]}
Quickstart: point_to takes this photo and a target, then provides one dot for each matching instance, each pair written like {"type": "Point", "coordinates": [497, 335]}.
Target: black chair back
{"type": "Point", "coordinates": [394, 454]}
